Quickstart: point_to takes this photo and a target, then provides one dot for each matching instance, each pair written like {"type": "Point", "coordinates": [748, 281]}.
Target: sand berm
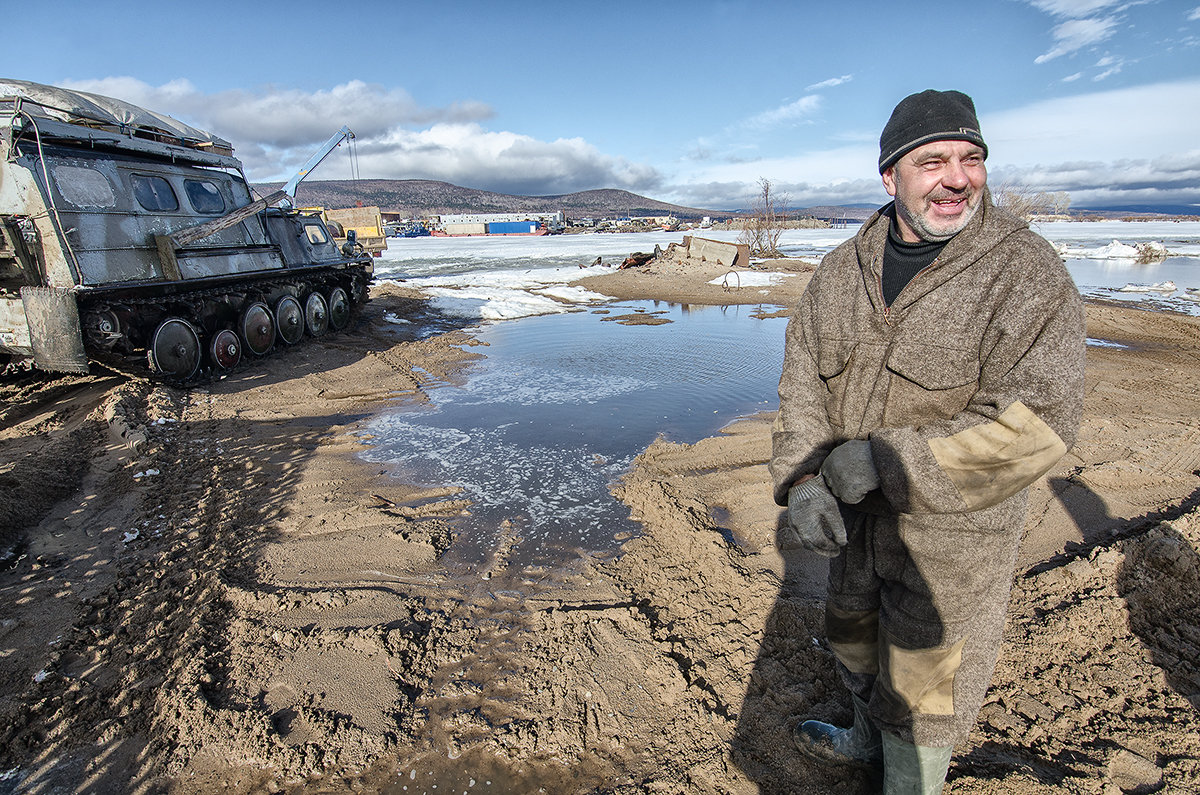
{"type": "Point", "coordinates": [210, 592]}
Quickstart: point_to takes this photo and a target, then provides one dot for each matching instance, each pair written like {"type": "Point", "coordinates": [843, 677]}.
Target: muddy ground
{"type": "Point", "coordinates": [209, 592]}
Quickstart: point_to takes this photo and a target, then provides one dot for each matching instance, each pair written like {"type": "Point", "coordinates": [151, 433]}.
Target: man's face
{"type": "Point", "coordinates": [938, 188]}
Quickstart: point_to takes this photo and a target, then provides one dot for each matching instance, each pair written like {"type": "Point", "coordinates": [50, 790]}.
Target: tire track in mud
{"type": "Point", "coordinates": [569, 693]}
{"type": "Point", "coordinates": [145, 682]}
{"type": "Point", "coordinates": [172, 667]}
{"type": "Point", "coordinates": [46, 437]}
{"type": "Point", "coordinates": [1185, 455]}
{"type": "Point", "coordinates": [90, 712]}
{"type": "Point", "coordinates": [1138, 450]}
{"type": "Point", "coordinates": [273, 703]}
{"type": "Point", "coordinates": [328, 643]}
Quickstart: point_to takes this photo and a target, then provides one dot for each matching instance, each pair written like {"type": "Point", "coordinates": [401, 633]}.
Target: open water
{"type": "Point", "coordinates": [560, 406]}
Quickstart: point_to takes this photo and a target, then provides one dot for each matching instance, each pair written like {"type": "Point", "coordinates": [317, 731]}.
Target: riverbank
{"type": "Point", "coordinates": [218, 594]}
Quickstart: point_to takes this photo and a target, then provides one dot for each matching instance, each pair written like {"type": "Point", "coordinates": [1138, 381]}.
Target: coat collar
{"type": "Point", "coordinates": [989, 226]}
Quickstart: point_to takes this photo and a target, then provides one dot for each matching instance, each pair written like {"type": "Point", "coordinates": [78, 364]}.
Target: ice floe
{"type": "Point", "coordinates": [1166, 288]}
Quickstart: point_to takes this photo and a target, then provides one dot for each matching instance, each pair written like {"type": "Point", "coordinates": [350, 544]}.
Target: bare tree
{"type": "Point", "coordinates": [762, 230]}
{"type": "Point", "coordinates": [1060, 202]}
{"type": "Point", "coordinates": [1024, 202]}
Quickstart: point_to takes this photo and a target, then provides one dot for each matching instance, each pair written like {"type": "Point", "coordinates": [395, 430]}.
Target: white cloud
{"type": "Point", "coordinates": [1111, 66]}
{"type": "Point", "coordinates": [282, 118]}
{"type": "Point", "coordinates": [839, 175]}
{"type": "Point", "coordinates": [469, 155]}
{"type": "Point", "coordinates": [1140, 121]}
{"type": "Point", "coordinates": [827, 165]}
{"type": "Point", "coordinates": [275, 130]}
{"type": "Point", "coordinates": [738, 194]}
{"type": "Point", "coordinates": [1194, 14]}
{"type": "Point", "coordinates": [1075, 34]}
{"type": "Point", "coordinates": [1073, 9]}
{"type": "Point", "coordinates": [1169, 180]}
{"type": "Point", "coordinates": [830, 83]}
{"type": "Point", "coordinates": [796, 111]}
{"type": "Point", "coordinates": [1123, 145]}
{"type": "Point", "coordinates": [739, 141]}
{"type": "Point", "coordinates": [1130, 145]}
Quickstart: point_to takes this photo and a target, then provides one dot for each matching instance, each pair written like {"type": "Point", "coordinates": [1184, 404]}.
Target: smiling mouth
{"type": "Point", "coordinates": [949, 206]}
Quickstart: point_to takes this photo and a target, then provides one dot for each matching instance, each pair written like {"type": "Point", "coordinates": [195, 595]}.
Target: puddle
{"type": "Point", "coordinates": [1134, 283]}
{"type": "Point", "coordinates": [558, 409]}
{"type": "Point", "coordinates": [1099, 343]}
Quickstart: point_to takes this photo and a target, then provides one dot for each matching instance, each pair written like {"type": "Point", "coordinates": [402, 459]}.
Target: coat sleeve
{"type": "Point", "coordinates": [1019, 423]}
{"type": "Point", "coordinates": [801, 437]}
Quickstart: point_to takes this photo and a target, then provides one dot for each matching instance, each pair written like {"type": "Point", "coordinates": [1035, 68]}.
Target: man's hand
{"type": "Point", "coordinates": [814, 515]}
{"type": "Point", "coordinates": [850, 472]}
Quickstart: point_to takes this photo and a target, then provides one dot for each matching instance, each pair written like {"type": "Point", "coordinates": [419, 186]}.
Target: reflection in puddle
{"type": "Point", "coordinates": [559, 408]}
{"type": "Point", "coordinates": [1099, 343]}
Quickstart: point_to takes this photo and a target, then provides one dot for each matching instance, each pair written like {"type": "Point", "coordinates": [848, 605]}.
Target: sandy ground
{"type": "Point", "coordinates": [209, 592]}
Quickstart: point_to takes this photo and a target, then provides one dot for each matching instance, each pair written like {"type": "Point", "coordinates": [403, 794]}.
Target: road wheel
{"type": "Point", "coordinates": [339, 309]}
{"type": "Point", "coordinates": [225, 349]}
{"type": "Point", "coordinates": [257, 328]}
{"type": "Point", "coordinates": [291, 319]}
{"type": "Point", "coordinates": [175, 349]}
{"type": "Point", "coordinates": [316, 314]}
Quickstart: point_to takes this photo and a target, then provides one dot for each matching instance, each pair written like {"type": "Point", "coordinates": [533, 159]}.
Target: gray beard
{"type": "Point", "coordinates": [918, 225]}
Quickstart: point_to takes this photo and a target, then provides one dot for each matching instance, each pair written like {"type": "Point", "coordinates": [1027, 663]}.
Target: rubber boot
{"type": "Point", "coordinates": [859, 745]}
{"type": "Point", "coordinates": [913, 769]}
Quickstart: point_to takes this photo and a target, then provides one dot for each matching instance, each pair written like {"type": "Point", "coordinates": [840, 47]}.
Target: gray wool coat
{"type": "Point", "coordinates": [969, 388]}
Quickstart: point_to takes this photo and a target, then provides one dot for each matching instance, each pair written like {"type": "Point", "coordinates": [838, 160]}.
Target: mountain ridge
{"type": "Point", "coordinates": [414, 197]}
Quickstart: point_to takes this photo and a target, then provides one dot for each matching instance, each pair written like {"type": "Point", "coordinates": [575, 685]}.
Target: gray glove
{"type": "Point", "coordinates": [814, 515]}
{"type": "Point", "coordinates": [850, 472]}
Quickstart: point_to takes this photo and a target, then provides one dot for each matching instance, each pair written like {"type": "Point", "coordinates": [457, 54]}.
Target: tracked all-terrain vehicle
{"type": "Point", "coordinates": [130, 239]}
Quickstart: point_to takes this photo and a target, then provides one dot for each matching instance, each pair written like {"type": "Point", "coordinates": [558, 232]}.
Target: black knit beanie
{"type": "Point", "coordinates": [925, 117]}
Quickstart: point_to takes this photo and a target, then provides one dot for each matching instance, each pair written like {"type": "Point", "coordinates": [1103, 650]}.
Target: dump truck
{"type": "Point", "coordinates": [131, 240]}
{"type": "Point", "coordinates": [365, 222]}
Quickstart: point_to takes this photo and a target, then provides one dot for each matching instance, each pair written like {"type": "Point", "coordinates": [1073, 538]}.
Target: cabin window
{"type": "Point", "coordinates": [204, 196]}
{"type": "Point", "coordinates": [154, 193]}
{"type": "Point", "coordinates": [316, 234]}
{"type": "Point", "coordinates": [84, 187]}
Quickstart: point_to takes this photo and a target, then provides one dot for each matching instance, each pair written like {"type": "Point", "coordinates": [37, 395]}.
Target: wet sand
{"type": "Point", "coordinates": [214, 593]}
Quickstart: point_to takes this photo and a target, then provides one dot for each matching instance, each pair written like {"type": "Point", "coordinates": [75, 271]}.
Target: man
{"type": "Point", "coordinates": [933, 370]}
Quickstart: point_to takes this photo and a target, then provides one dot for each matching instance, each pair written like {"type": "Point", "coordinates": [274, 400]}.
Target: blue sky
{"type": "Point", "coordinates": [689, 102]}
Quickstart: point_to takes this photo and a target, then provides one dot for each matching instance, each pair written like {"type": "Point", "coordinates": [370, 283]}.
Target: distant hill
{"type": "Point", "coordinates": [851, 212]}
{"type": "Point", "coordinates": [1133, 210]}
{"type": "Point", "coordinates": [414, 197]}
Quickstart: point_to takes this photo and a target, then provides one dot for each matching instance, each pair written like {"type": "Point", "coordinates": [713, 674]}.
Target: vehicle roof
{"type": "Point", "coordinates": [85, 108]}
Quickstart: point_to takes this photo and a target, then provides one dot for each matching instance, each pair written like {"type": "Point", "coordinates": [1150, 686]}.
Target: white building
{"type": "Point", "coordinates": [550, 220]}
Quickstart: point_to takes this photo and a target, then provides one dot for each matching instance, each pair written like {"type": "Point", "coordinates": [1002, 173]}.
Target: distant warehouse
{"type": "Point", "coordinates": [499, 223]}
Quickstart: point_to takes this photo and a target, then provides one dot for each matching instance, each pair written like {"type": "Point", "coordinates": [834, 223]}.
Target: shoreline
{"type": "Point", "coordinates": [268, 597]}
